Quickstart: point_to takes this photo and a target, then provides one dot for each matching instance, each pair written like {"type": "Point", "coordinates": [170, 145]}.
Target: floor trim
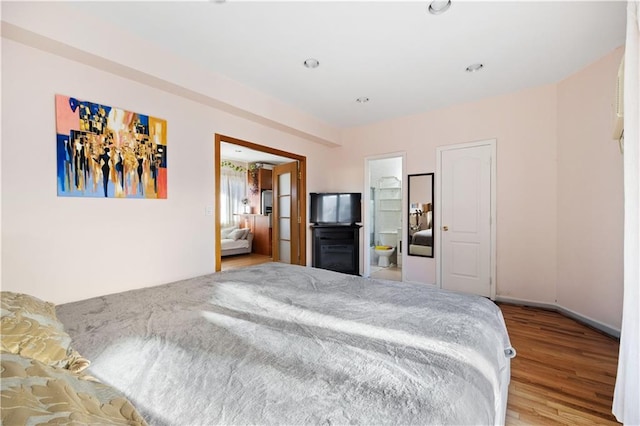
{"type": "Point", "coordinates": [607, 329]}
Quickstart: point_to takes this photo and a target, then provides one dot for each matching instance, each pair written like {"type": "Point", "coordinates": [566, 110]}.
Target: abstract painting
{"type": "Point", "coordinates": [104, 151]}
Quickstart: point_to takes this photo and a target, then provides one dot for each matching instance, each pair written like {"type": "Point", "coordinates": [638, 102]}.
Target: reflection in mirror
{"type": "Point", "coordinates": [420, 188]}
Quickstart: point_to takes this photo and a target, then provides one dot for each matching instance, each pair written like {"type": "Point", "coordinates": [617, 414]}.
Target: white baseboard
{"type": "Point", "coordinates": [607, 329]}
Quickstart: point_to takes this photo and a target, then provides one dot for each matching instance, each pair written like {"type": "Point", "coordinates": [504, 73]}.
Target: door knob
{"type": "Point", "coordinates": [445, 228]}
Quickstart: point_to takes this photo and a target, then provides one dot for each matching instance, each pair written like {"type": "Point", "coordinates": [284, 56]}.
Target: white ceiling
{"type": "Point", "coordinates": [404, 59]}
{"type": "Point", "coordinates": [243, 154]}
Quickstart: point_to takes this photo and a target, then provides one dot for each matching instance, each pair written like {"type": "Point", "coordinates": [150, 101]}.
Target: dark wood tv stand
{"type": "Point", "coordinates": [336, 247]}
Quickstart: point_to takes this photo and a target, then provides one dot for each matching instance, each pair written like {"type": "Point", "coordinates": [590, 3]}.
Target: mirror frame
{"type": "Point", "coordinates": [419, 198]}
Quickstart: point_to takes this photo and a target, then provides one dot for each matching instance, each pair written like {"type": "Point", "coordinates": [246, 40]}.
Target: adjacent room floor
{"type": "Point", "coordinates": [243, 260]}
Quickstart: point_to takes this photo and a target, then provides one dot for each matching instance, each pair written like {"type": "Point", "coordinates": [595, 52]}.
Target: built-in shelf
{"type": "Point", "coordinates": [390, 205]}
{"type": "Point", "coordinates": [389, 182]}
{"type": "Point", "coordinates": [389, 201]}
{"type": "Point", "coordinates": [390, 193]}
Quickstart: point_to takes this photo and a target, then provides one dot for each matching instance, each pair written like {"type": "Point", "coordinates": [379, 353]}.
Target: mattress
{"type": "Point", "coordinates": [285, 344]}
{"type": "Point", "coordinates": [423, 237]}
{"type": "Point", "coordinates": [420, 250]}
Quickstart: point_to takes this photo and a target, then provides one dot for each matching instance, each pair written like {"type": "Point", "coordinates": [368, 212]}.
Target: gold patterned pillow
{"type": "Point", "coordinates": [30, 327]}
{"type": "Point", "coordinates": [35, 393]}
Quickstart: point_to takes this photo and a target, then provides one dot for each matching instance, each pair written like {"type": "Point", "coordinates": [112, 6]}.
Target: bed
{"type": "Point", "coordinates": [422, 242]}
{"type": "Point", "coordinates": [235, 240]}
{"type": "Point", "coordinates": [43, 376]}
{"type": "Point", "coordinates": [286, 344]}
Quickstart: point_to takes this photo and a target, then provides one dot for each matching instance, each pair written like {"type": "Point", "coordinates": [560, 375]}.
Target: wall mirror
{"type": "Point", "coordinates": [420, 188]}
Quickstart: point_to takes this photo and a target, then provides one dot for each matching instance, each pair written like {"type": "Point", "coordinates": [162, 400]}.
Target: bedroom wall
{"type": "Point", "coordinates": [540, 181]}
{"type": "Point", "coordinates": [65, 249]}
{"type": "Point", "coordinates": [524, 125]}
{"type": "Point", "coordinates": [590, 194]}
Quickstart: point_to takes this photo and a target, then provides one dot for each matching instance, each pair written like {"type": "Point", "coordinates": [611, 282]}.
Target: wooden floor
{"type": "Point", "coordinates": [564, 372]}
{"type": "Point", "coordinates": [243, 260]}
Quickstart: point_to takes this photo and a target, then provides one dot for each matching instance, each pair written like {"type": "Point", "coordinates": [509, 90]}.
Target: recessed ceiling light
{"type": "Point", "coordinates": [362, 100]}
{"type": "Point", "coordinates": [439, 6]}
{"type": "Point", "coordinates": [474, 67]}
{"type": "Point", "coordinates": [311, 63]}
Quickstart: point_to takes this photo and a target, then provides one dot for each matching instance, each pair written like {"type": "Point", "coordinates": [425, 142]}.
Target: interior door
{"type": "Point", "coordinates": [465, 232]}
{"type": "Point", "coordinates": [286, 217]}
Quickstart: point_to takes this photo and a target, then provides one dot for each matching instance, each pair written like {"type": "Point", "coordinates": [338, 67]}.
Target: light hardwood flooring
{"type": "Point", "coordinates": [392, 273]}
{"type": "Point", "coordinates": [564, 372]}
{"type": "Point", "coordinates": [243, 260]}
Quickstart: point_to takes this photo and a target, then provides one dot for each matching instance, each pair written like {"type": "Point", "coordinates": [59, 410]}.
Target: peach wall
{"type": "Point", "coordinates": [524, 125]}
{"type": "Point", "coordinates": [554, 153]}
{"type": "Point", "coordinates": [64, 249]}
{"type": "Point", "coordinates": [590, 194]}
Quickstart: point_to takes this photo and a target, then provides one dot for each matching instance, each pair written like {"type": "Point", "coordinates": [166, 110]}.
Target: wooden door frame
{"type": "Point", "coordinates": [302, 169]}
{"type": "Point", "coordinates": [438, 207]}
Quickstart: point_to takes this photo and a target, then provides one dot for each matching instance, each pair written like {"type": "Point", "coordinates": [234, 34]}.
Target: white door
{"type": "Point", "coordinates": [465, 226]}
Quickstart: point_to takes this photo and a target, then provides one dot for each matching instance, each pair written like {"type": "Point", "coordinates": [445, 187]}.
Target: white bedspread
{"type": "Point", "coordinates": [283, 344]}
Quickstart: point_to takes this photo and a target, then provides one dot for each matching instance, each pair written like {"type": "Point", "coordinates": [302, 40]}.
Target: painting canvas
{"type": "Point", "coordinates": [104, 151]}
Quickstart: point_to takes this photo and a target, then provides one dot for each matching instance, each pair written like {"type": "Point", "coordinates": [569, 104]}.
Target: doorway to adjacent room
{"type": "Point", "coordinates": [286, 238]}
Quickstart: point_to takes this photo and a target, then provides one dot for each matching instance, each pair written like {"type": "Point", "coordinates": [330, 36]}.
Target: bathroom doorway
{"type": "Point", "coordinates": [384, 216]}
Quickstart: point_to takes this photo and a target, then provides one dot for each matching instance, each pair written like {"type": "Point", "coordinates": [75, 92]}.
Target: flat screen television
{"type": "Point", "coordinates": [335, 207]}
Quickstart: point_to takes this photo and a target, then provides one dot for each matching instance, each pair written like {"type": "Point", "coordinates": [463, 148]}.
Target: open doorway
{"type": "Point", "coordinates": [254, 205]}
{"type": "Point", "coordinates": [384, 224]}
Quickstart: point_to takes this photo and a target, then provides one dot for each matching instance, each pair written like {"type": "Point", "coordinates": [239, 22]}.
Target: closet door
{"type": "Point", "coordinates": [466, 225]}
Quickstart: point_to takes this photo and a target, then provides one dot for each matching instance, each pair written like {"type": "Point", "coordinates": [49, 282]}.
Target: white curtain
{"type": "Point", "coordinates": [233, 189]}
{"type": "Point", "coordinates": [626, 400]}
